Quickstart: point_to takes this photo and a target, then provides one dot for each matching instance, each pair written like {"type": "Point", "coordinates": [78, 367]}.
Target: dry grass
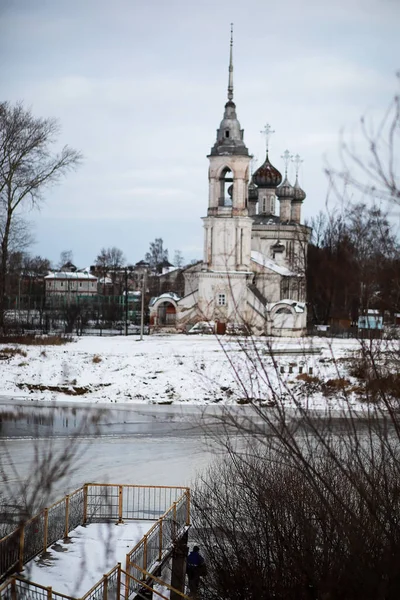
{"type": "Point", "coordinates": [96, 359]}
{"type": "Point", "coordinates": [9, 352]}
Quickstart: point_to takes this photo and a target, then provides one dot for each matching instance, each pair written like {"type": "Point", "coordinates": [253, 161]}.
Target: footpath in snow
{"type": "Point", "coordinates": [74, 568]}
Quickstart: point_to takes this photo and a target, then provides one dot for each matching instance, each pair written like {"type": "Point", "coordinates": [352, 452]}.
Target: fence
{"type": "Point", "coordinates": [114, 585]}
{"type": "Point", "coordinates": [156, 544]}
{"type": "Point", "coordinates": [93, 502]}
{"type": "Point", "coordinates": [36, 534]}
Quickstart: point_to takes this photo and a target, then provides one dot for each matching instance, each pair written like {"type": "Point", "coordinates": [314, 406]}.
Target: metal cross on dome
{"type": "Point", "coordinates": [287, 157]}
{"type": "Point", "coordinates": [297, 161]}
{"type": "Point", "coordinates": [268, 132]}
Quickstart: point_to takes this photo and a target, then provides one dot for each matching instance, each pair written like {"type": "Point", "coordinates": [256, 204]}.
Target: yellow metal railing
{"type": "Point", "coordinates": [17, 588]}
{"type": "Point", "coordinates": [99, 502]}
{"type": "Point", "coordinates": [114, 585]}
{"type": "Point", "coordinates": [159, 539]}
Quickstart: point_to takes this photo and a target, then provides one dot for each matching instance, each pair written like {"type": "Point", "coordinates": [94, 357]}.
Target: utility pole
{"type": "Point", "coordinates": [126, 300]}
{"type": "Point", "coordinates": [142, 303]}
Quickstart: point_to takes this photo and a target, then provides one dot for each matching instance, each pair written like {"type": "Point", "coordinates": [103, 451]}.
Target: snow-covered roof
{"type": "Point", "coordinates": [264, 261]}
{"type": "Point", "coordinates": [70, 275]}
{"type": "Point", "coordinates": [166, 296]}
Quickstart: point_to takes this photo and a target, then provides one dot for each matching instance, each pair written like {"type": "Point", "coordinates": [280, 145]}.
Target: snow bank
{"type": "Point", "coordinates": [168, 369]}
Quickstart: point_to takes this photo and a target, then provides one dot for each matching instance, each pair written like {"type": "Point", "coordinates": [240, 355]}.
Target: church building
{"type": "Point", "coordinates": [252, 277]}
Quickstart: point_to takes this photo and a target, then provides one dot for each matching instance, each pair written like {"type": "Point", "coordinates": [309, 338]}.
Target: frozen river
{"type": "Point", "coordinates": [142, 444]}
{"type": "Point", "coordinates": [135, 443]}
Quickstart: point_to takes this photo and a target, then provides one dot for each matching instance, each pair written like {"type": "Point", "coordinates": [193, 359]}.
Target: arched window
{"type": "Point", "coordinates": [225, 180]}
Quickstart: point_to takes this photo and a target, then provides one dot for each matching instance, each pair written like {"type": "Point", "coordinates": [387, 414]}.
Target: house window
{"type": "Point", "coordinates": [80, 284]}
{"type": "Point", "coordinates": [62, 284]}
{"type": "Point", "coordinates": [221, 300]}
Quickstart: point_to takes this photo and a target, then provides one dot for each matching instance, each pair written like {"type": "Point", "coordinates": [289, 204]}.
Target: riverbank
{"type": "Point", "coordinates": [179, 369]}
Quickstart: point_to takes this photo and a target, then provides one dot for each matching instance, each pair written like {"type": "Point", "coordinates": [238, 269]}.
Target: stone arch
{"type": "Point", "coordinates": [225, 178]}
{"type": "Point", "coordinates": [163, 312]}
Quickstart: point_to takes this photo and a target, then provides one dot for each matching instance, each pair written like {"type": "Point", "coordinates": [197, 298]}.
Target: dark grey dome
{"type": "Point", "coordinates": [267, 176]}
{"type": "Point", "coordinates": [299, 193]}
{"type": "Point", "coordinates": [286, 190]}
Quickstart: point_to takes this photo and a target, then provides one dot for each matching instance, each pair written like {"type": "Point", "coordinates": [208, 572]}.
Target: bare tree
{"type": "Point", "coordinates": [27, 167]}
{"type": "Point", "coordinates": [157, 255]}
{"type": "Point", "coordinates": [110, 261]}
{"type": "Point", "coordinates": [373, 169]}
{"type": "Point", "coordinates": [66, 259]}
{"type": "Point", "coordinates": [178, 259]}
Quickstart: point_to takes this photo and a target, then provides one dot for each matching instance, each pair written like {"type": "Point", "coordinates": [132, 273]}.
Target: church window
{"type": "Point", "coordinates": [221, 300]}
{"type": "Point", "coordinates": [226, 134]}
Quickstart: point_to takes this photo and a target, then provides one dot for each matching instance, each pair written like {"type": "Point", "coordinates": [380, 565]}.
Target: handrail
{"type": "Point", "coordinates": [55, 521]}
{"type": "Point", "coordinates": [49, 593]}
{"type": "Point", "coordinates": [157, 580]}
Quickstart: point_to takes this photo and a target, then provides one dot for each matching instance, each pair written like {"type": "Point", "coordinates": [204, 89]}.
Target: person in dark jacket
{"type": "Point", "coordinates": [195, 565]}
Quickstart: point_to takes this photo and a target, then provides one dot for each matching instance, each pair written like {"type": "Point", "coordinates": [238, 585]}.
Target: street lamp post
{"type": "Point", "coordinates": [142, 303]}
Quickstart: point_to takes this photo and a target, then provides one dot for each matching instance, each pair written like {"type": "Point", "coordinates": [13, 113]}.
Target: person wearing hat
{"type": "Point", "coordinates": [195, 568]}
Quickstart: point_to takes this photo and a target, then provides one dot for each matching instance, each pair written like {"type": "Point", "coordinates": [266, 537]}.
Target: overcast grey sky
{"type": "Point", "coordinates": [139, 88]}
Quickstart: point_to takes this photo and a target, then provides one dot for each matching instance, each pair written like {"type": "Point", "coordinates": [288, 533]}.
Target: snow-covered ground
{"type": "Point", "coordinates": [74, 568]}
{"type": "Point", "coordinates": [171, 369]}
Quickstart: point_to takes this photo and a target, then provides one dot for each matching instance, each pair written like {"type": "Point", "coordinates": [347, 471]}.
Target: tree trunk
{"type": "Point", "coordinates": [3, 270]}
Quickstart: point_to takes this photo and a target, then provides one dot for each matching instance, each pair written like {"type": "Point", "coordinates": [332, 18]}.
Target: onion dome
{"type": "Point", "coordinates": [267, 176]}
{"type": "Point", "coordinates": [299, 194]}
{"type": "Point", "coordinates": [253, 192]}
{"type": "Point", "coordinates": [285, 190]}
{"type": "Point", "coordinates": [230, 190]}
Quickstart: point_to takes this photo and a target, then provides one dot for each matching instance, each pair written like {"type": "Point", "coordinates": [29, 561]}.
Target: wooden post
{"type": "Point", "coordinates": [127, 579]}
{"type": "Point", "coordinates": [120, 499]}
{"type": "Point", "coordinates": [160, 540]}
{"type": "Point", "coordinates": [118, 592]}
{"type": "Point", "coordinates": [21, 547]}
{"type": "Point", "coordinates": [85, 499]}
{"type": "Point", "coordinates": [66, 529]}
{"type": "Point", "coordinates": [178, 571]}
{"type": "Point", "coordinates": [144, 554]}
{"type": "Point", "coordinates": [13, 589]}
{"type": "Point", "coordinates": [46, 528]}
{"type": "Point", "coordinates": [188, 507]}
{"type": "Point", "coordinates": [49, 593]}
{"type": "Point", "coordinates": [105, 587]}
{"type": "Point", "coordinates": [174, 527]}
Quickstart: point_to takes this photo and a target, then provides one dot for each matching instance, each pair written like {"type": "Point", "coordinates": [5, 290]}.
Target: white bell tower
{"type": "Point", "coordinates": [227, 226]}
{"type": "Point", "coordinates": [227, 239]}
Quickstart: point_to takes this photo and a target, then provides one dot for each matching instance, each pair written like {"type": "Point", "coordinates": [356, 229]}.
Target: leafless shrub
{"type": "Point", "coordinates": [96, 359]}
{"type": "Point", "coordinates": [36, 340]}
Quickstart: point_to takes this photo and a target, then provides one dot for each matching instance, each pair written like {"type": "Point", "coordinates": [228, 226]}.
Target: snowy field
{"type": "Point", "coordinates": [174, 369]}
{"type": "Point", "coordinates": [93, 551]}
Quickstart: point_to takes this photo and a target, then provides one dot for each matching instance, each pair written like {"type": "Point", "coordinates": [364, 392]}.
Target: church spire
{"type": "Point", "coordinates": [229, 134]}
{"type": "Point", "coordinates": [230, 80]}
